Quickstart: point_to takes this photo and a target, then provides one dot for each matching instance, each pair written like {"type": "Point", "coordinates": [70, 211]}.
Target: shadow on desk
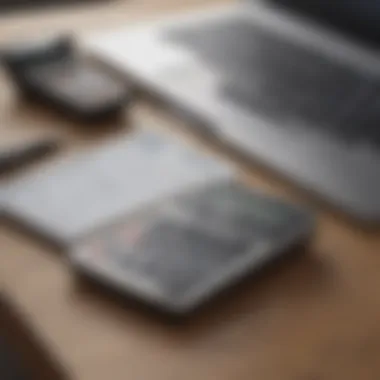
{"type": "Point", "coordinates": [11, 365]}
{"type": "Point", "coordinates": [22, 356]}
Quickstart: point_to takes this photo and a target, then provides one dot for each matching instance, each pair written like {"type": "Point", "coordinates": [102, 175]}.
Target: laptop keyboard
{"type": "Point", "coordinates": [285, 82]}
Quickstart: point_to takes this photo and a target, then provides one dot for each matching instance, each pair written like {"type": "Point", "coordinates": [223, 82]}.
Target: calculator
{"type": "Point", "coordinates": [55, 73]}
{"type": "Point", "coordinates": [179, 252]}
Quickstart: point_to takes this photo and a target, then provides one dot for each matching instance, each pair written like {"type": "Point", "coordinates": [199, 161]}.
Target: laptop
{"type": "Point", "coordinates": [292, 84]}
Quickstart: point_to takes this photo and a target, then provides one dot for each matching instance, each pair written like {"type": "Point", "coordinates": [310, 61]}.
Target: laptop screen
{"type": "Point", "coordinates": [357, 17]}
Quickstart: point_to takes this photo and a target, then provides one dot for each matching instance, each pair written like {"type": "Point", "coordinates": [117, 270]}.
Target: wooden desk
{"type": "Point", "coordinates": [315, 318]}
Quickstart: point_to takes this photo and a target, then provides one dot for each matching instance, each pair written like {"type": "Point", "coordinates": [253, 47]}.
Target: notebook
{"type": "Point", "coordinates": [67, 200]}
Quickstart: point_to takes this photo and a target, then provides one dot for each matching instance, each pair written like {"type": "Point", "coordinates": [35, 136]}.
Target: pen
{"type": "Point", "coordinates": [14, 157]}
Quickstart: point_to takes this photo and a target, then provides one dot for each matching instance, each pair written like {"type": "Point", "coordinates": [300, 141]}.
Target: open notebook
{"type": "Point", "coordinates": [67, 200]}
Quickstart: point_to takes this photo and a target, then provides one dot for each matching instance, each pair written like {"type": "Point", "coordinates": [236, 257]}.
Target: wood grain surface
{"type": "Point", "coordinates": [315, 317]}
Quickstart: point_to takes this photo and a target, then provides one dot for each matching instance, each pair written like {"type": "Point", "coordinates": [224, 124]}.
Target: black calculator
{"type": "Point", "coordinates": [177, 253]}
{"type": "Point", "coordinates": [55, 73]}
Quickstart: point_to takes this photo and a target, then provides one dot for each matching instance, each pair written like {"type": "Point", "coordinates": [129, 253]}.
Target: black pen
{"type": "Point", "coordinates": [14, 157]}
